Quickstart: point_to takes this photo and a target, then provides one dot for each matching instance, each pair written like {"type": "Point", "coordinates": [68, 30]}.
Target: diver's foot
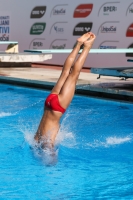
{"type": "Point", "coordinates": [83, 38]}
{"type": "Point", "coordinates": [89, 42]}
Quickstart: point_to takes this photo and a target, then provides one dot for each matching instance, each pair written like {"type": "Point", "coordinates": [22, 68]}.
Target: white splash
{"type": "Point", "coordinates": [29, 138]}
{"type": "Point", "coordinates": [117, 140]}
{"type": "Point", "coordinates": [5, 114]}
{"type": "Point", "coordinates": [45, 155]}
{"type": "Point", "coordinates": [66, 138]}
{"type": "Point", "coordinates": [109, 141]}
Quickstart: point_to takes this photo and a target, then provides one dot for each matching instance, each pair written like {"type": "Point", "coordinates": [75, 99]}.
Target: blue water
{"type": "Point", "coordinates": [95, 149]}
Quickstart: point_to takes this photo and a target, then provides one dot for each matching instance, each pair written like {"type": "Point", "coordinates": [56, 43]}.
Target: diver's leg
{"type": "Point", "coordinates": [68, 64]}
{"type": "Point", "coordinates": [68, 89]}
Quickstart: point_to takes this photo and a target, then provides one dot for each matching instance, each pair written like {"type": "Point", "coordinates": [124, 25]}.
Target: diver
{"type": "Point", "coordinates": [62, 93]}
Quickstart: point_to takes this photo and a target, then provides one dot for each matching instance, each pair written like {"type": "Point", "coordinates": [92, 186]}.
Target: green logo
{"type": "Point", "coordinates": [37, 28]}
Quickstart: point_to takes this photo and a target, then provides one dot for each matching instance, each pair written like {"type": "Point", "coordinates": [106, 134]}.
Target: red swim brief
{"type": "Point", "coordinates": [52, 102]}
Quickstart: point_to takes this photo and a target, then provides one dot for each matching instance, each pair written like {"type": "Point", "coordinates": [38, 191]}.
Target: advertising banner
{"type": "Point", "coordinates": [5, 35]}
{"type": "Point", "coordinates": [57, 25]}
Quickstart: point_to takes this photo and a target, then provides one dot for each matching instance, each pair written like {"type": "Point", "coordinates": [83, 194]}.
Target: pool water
{"type": "Point", "coordinates": [94, 159]}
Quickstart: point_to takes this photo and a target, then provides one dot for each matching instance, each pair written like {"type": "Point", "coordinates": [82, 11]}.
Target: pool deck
{"type": "Point", "coordinates": [45, 76]}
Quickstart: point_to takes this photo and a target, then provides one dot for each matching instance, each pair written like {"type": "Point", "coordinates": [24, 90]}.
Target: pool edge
{"type": "Point", "coordinates": [86, 90]}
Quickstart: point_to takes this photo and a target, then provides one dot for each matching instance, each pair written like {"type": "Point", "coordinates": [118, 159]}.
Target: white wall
{"type": "Point", "coordinates": [59, 28]}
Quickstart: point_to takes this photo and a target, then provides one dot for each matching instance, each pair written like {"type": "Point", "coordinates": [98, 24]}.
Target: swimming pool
{"type": "Point", "coordinates": [94, 158]}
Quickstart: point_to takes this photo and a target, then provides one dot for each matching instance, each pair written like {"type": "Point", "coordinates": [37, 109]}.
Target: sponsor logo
{"type": "Point", "coordinates": [110, 29]}
{"type": "Point", "coordinates": [38, 12]}
{"type": "Point", "coordinates": [37, 43]}
{"type": "Point", "coordinates": [129, 9]}
{"type": "Point", "coordinates": [37, 28]}
{"type": "Point", "coordinates": [107, 47]}
{"type": "Point", "coordinates": [108, 8]}
{"type": "Point", "coordinates": [130, 54]}
{"type": "Point", "coordinates": [4, 22]}
{"type": "Point", "coordinates": [59, 10]}
{"type": "Point", "coordinates": [4, 28]}
{"type": "Point", "coordinates": [5, 18]}
{"type": "Point", "coordinates": [59, 46]}
{"type": "Point", "coordinates": [4, 37]}
{"type": "Point", "coordinates": [58, 29]}
{"type": "Point", "coordinates": [129, 32]}
{"type": "Point", "coordinates": [82, 28]}
{"type": "Point", "coordinates": [83, 10]}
